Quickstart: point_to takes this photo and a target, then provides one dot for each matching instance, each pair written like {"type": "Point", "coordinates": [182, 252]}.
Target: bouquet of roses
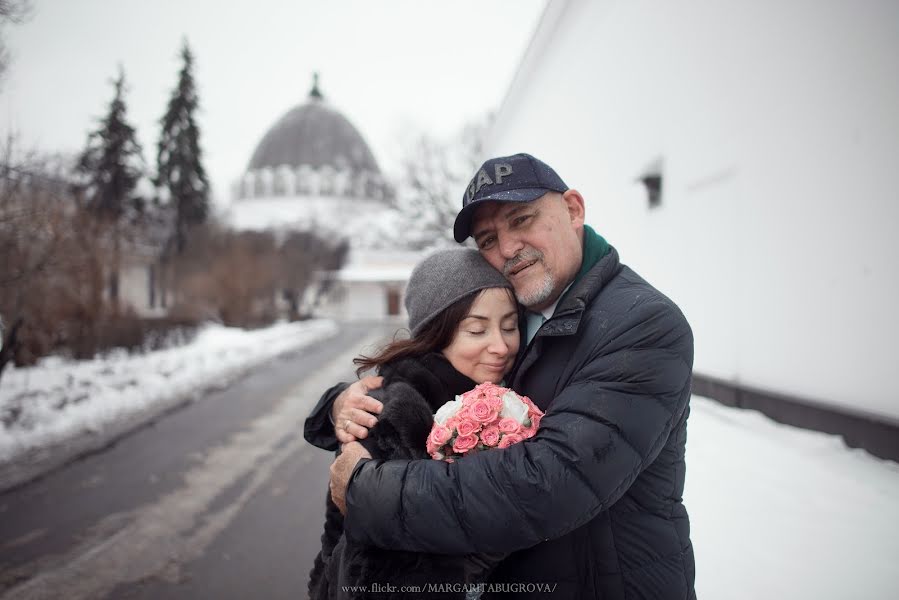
{"type": "Point", "coordinates": [489, 416]}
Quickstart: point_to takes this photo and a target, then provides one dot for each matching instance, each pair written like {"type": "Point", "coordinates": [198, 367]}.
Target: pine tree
{"type": "Point", "coordinates": [180, 174]}
{"type": "Point", "coordinates": [112, 162]}
{"type": "Point", "coordinates": [112, 167]}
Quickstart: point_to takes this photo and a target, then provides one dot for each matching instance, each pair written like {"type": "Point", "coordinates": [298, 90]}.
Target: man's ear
{"type": "Point", "coordinates": [574, 202]}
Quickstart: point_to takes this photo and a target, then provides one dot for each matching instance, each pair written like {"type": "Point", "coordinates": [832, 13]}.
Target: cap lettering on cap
{"type": "Point", "coordinates": [483, 179]}
{"type": "Point", "coordinates": [501, 170]}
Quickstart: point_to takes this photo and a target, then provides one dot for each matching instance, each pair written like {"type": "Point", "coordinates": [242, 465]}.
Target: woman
{"type": "Point", "coordinates": [464, 324]}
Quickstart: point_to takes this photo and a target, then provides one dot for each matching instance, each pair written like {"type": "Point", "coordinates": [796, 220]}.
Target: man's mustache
{"type": "Point", "coordinates": [528, 255]}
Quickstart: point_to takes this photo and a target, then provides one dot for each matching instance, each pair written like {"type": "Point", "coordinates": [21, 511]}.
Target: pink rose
{"type": "Point", "coordinates": [533, 409]}
{"type": "Point", "coordinates": [490, 435]}
{"type": "Point", "coordinates": [509, 439]}
{"type": "Point", "coordinates": [471, 395]}
{"type": "Point", "coordinates": [437, 455]}
{"type": "Point", "coordinates": [464, 443]}
{"type": "Point", "coordinates": [468, 427]}
{"type": "Point", "coordinates": [452, 423]}
{"type": "Point", "coordinates": [440, 435]}
{"type": "Point", "coordinates": [481, 411]}
{"type": "Point", "coordinates": [509, 425]}
{"type": "Point", "coordinates": [531, 430]}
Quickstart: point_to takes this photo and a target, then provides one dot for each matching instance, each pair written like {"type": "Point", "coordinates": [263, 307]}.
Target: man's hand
{"type": "Point", "coordinates": [354, 412]}
{"type": "Point", "coordinates": [341, 469]}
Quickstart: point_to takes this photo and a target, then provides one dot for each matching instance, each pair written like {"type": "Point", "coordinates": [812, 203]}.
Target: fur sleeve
{"type": "Point", "coordinates": [404, 425]}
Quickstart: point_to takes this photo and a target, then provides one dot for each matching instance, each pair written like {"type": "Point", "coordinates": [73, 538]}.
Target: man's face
{"type": "Point", "coordinates": [536, 245]}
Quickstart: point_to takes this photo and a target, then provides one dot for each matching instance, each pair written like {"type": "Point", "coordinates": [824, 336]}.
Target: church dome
{"type": "Point", "coordinates": [314, 134]}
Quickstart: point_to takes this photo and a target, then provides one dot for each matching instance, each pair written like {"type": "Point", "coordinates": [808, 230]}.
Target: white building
{"type": "Point", "coordinates": [771, 130]}
{"type": "Point", "coordinates": [369, 286]}
{"type": "Point", "coordinates": [312, 170]}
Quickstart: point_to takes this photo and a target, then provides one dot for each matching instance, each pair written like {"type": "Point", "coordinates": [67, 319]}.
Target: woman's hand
{"type": "Point", "coordinates": [354, 411]}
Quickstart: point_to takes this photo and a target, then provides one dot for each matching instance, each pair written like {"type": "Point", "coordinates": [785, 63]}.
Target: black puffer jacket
{"type": "Point", "coordinates": [592, 504]}
{"type": "Point", "coordinates": [413, 391]}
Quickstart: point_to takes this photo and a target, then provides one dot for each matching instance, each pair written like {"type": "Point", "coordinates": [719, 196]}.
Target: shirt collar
{"type": "Point", "coordinates": [549, 310]}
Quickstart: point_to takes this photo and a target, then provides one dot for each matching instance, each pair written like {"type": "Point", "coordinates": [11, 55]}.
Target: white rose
{"type": "Point", "coordinates": [448, 410]}
{"type": "Point", "coordinates": [513, 407]}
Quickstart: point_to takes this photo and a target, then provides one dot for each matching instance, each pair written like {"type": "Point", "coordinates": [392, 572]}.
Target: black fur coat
{"type": "Point", "coordinates": [413, 391]}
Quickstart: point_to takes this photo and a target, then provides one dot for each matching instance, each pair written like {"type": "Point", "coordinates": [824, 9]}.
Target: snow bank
{"type": "Point", "coordinates": [58, 399]}
{"type": "Point", "coordinates": [781, 512]}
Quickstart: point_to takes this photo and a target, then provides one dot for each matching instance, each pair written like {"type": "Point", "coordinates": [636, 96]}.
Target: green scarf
{"type": "Point", "coordinates": [595, 247]}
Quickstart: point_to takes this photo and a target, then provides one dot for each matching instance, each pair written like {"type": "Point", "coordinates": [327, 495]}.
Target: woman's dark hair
{"type": "Point", "coordinates": [436, 335]}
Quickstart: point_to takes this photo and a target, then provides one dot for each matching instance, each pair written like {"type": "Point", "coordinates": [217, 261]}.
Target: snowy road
{"type": "Point", "coordinates": [220, 499]}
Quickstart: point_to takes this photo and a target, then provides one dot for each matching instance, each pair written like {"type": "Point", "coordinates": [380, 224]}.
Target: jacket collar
{"type": "Point", "coordinates": [431, 375]}
{"type": "Point", "coordinates": [595, 249]}
{"type": "Point", "coordinates": [568, 314]}
{"type": "Point", "coordinates": [567, 317]}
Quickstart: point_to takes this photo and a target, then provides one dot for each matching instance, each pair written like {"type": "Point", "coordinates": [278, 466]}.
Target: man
{"type": "Point", "coordinates": [591, 506]}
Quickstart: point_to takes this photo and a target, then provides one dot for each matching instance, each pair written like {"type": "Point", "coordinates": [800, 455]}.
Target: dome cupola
{"type": "Point", "coordinates": [313, 150]}
{"type": "Point", "coordinates": [316, 135]}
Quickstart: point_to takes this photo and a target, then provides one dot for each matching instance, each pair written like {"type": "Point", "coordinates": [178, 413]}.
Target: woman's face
{"type": "Point", "coordinates": [486, 340]}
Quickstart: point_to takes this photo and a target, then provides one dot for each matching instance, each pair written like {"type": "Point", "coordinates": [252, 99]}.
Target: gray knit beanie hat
{"type": "Point", "coordinates": [444, 278]}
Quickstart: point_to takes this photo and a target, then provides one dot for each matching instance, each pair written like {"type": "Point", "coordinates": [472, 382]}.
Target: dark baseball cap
{"type": "Point", "coordinates": [516, 178]}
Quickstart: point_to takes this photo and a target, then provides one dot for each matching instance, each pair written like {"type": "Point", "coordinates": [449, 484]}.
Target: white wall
{"type": "Point", "coordinates": [134, 291]}
{"type": "Point", "coordinates": [362, 300]}
{"type": "Point", "coordinates": [778, 123]}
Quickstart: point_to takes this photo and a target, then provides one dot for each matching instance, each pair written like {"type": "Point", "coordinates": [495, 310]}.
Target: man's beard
{"type": "Point", "coordinates": [542, 292]}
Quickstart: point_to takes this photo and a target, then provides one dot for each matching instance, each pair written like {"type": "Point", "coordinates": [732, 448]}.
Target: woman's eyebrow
{"type": "Point", "coordinates": [483, 318]}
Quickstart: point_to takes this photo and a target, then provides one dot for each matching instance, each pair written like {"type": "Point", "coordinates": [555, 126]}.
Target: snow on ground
{"type": "Point", "coordinates": [58, 399]}
{"type": "Point", "coordinates": [780, 512]}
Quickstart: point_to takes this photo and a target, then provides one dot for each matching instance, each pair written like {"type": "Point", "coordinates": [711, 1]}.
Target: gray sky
{"type": "Point", "coordinates": [392, 67]}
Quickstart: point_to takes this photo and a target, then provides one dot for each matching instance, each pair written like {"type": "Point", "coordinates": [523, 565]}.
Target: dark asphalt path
{"type": "Point", "coordinates": [220, 499]}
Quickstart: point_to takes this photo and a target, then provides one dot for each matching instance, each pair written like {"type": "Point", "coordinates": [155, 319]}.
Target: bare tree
{"type": "Point", "coordinates": [11, 11]}
{"type": "Point", "coordinates": [435, 173]}
{"type": "Point", "coordinates": [35, 237]}
{"type": "Point", "coordinates": [238, 277]}
{"type": "Point", "coordinates": [298, 261]}
{"type": "Point", "coordinates": [227, 276]}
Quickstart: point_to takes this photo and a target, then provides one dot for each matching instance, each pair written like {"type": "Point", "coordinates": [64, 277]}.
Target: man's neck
{"type": "Point", "coordinates": [594, 248]}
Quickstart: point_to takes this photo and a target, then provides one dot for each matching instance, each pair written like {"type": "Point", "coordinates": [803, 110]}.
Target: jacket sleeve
{"type": "Point", "coordinates": [598, 435]}
{"type": "Point", "coordinates": [318, 428]}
